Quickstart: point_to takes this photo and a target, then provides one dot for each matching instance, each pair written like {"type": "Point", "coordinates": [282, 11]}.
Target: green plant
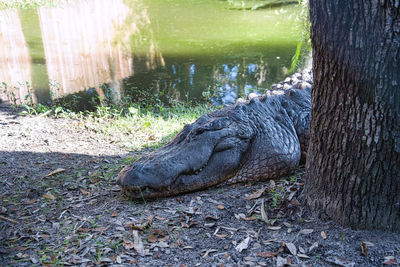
{"type": "Point", "coordinates": [303, 49]}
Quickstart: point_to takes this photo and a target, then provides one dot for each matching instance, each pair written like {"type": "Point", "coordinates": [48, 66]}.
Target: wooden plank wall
{"type": "Point", "coordinates": [79, 44]}
{"type": "Point", "coordinates": [86, 44]}
{"type": "Point", "coordinates": [15, 62]}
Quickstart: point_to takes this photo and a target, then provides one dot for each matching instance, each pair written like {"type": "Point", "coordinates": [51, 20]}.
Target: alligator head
{"type": "Point", "coordinates": [203, 154]}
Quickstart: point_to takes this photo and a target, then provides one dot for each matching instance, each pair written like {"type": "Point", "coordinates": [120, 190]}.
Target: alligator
{"type": "Point", "coordinates": [256, 139]}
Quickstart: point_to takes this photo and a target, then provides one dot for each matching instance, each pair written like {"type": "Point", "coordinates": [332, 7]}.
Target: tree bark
{"type": "Point", "coordinates": [353, 162]}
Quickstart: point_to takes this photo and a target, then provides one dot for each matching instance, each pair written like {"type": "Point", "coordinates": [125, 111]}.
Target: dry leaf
{"type": "Point", "coordinates": [152, 239]}
{"type": "Point", "coordinates": [323, 235]}
{"type": "Point", "coordinates": [340, 261]}
{"type": "Point", "coordinates": [243, 245]}
{"type": "Point", "coordinates": [288, 225]}
{"type": "Point", "coordinates": [301, 255]}
{"type": "Point", "coordinates": [220, 207]}
{"type": "Point", "coordinates": [221, 235]}
{"type": "Point", "coordinates": [280, 262]}
{"type": "Point", "coordinates": [114, 214]}
{"type": "Point", "coordinates": [274, 228]}
{"type": "Point", "coordinates": [127, 244]}
{"type": "Point", "coordinates": [390, 260]}
{"type": "Point", "coordinates": [158, 232]}
{"type": "Point", "coordinates": [137, 243]}
{"type": "Point", "coordinates": [212, 218]}
{"type": "Point", "coordinates": [272, 184]}
{"type": "Point", "coordinates": [263, 213]}
{"type": "Point", "coordinates": [240, 216]}
{"type": "Point", "coordinates": [142, 226]}
{"type": "Point", "coordinates": [208, 252]}
{"type": "Point", "coordinates": [49, 196]}
{"type": "Point", "coordinates": [292, 248]}
{"type": "Point", "coordinates": [85, 192]}
{"type": "Point", "coordinates": [100, 229]}
{"type": "Point", "coordinates": [306, 231]}
{"type": "Point", "coordinates": [164, 239]}
{"type": "Point", "coordinates": [83, 230]}
{"type": "Point", "coordinates": [256, 194]}
{"type": "Point", "coordinates": [31, 201]}
{"type": "Point", "coordinates": [58, 170]}
{"type": "Point", "coordinates": [364, 247]}
{"type": "Point", "coordinates": [313, 246]}
{"type": "Point", "coordinates": [266, 254]}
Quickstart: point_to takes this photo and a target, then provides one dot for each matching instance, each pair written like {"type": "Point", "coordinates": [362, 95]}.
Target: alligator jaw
{"type": "Point", "coordinates": [184, 165]}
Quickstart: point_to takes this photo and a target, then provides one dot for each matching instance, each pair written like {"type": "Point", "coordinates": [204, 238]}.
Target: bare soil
{"type": "Point", "coordinates": [59, 205]}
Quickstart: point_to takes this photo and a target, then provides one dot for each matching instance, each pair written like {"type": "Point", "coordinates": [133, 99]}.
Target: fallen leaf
{"type": "Point", "coordinates": [208, 252]}
{"type": "Point", "coordinates": [252, 218]}
{"type": "Point", "coordinates": [301, 255]}
{"type": "Point", "coordinates": [389, 260]}
{"type": "Point", "coordinates": [220, 207]}
{"type": "Point", "coordinates": [266, 254]}
{"type": "Point", "coordinates": [221, 235]}
{"type": "Point", "coordinates": [49, 196]}
{"type": "Point", "coordinates": [212, 218]}
{"type": "Point", "coordinates": [364, 247]}
{"type": "Point", "coordinates": [31, 201]}
{"type": "Point", "coordinates": [83, 230]}
{"type": "Point", "coordinates": [58, 170]}
{"type": "Point", "coordinates": [152, 238]}
{"type": "Point", "coordinates": [256, 194]}
{"type": "Point", "coordinates": [142, 226]}
{"type": "Point", "coordinates": [85, 192]}
{"type": "Point", "coordinates": [100, 229]}
{"type": "Point", "coordinates": [158, 232]}
{"type": "Point", "coordinates": [340, 261]}
{"type": "Point", "coordinates": [114, 214]}
{"type": "Point", "coordinates": [164, 239]}
{"type": "Point", "coordinates": [280, 262]}
{"type": "Point", "coordinates": [127, 244]}
{"type": "Point", "coordinates": [323, 235]}
{"type": "Point", "coordinates": [274, 228]}
{"type": "Point", "coordinates": [240, 216]}
{"type": "Point", "coordinates": [306, 231]}
{"type": "Point", "coordinates": [243, 245]}
{"type": "Point", "coordinates": [263, 213]}
{"type": "Point", "coordinates": [288, 225]}
{"type": "Point", "coordinates": [313, 246]}
{"type": "Point", "coordinates": [272, 184]}
{"type": "Point", "coordinates": [137, 243]}
{"type": "Point", "coordinates": [292, 248]}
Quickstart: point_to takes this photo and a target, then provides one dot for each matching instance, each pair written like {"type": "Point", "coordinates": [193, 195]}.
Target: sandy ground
{"type": "Point", "coordinates": [59, 205]}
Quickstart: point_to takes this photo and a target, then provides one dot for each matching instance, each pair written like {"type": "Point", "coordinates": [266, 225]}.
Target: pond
{"type": "Point", "coordinates": [185, 50]}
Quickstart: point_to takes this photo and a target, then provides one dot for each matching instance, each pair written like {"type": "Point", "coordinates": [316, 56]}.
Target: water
{"type": "Point", "coordinates": [188, 50]}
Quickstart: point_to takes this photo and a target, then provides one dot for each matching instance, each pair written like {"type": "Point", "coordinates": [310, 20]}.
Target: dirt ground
{"type": "Point", "coordinates": [59, 205]}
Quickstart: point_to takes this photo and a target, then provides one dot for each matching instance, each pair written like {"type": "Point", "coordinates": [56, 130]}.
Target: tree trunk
{"type": "Point", "coordinates": [353, 163]}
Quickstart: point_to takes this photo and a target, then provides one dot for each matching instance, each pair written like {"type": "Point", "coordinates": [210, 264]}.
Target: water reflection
{"type": "Point", "coordinates": [83, 47]}
{"type": "Point", "coordinates": [109, 48]}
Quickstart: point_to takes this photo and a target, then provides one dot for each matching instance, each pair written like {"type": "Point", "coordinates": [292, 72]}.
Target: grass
{"type": "Point", "coordinates": [7, 4]}
{"type": "Point", "coordinates": [132, 125]}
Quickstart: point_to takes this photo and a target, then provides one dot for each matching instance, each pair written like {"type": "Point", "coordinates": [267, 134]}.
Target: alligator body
{"type": "Point", "coordinates": [255, 139]}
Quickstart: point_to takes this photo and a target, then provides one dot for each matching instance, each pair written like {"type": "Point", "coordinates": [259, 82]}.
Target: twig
{"type": "Point", "coordinates": [8, 220]}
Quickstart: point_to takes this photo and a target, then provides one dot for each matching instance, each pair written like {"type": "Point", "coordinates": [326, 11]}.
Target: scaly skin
{"type": "Point", "coordinates": [253, 140]}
